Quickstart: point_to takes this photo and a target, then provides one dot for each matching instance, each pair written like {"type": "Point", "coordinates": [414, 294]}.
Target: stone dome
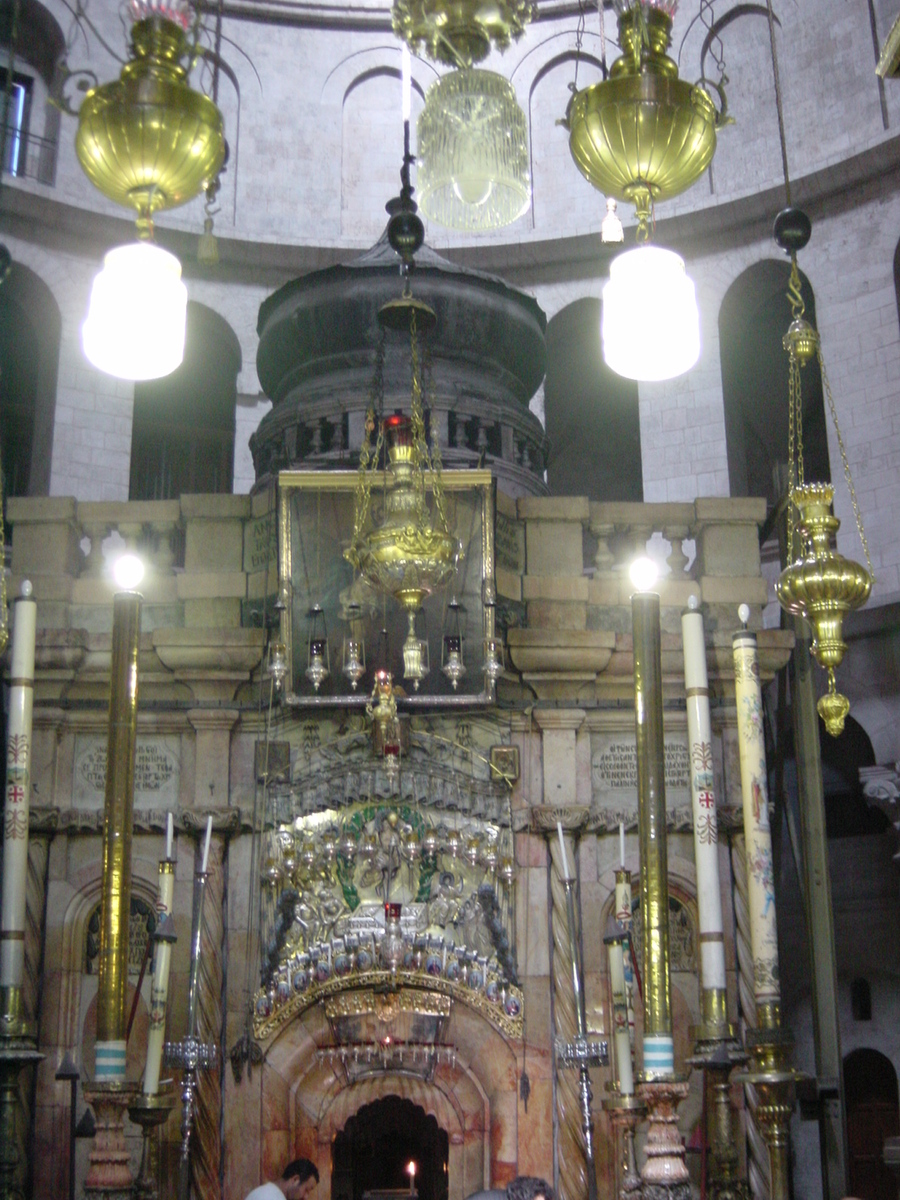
{"type": "Point", "coordinates": [319, 344]}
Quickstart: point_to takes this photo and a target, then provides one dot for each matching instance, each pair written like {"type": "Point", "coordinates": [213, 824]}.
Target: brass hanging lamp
{"type": "Point", "coordinates": [643, 134]}
{"type": "Point", "coordinates": [148, 140]}
{"type": "Point", "coordinates": [819, 583]}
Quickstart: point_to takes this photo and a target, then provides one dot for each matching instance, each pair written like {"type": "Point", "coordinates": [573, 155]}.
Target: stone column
{"type": "Point", "coordinates": [558, 729]}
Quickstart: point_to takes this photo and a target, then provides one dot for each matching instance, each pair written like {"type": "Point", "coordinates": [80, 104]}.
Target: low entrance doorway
{"type": "Point", "coordinates": [373, 1151]}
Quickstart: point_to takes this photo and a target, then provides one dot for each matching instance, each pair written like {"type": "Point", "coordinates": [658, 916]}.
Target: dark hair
{"type": "Point", "coordinates": [302, 1169]}
{"type": "Point", "coordinates": [528, 1187]}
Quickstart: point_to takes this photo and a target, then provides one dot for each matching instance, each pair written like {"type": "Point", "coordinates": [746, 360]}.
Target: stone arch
{"type": "Point", "coordinates": [873, 1114]}
{"type": "Point", "coordinates": [182, 437]}
{"type": "Point", "coordinates": [371, 116]}
{"type": "Point", "coordinates": [66, 1022]}
{"type": "Point", "coordinates": [30, 329]}
{"type": "Point", "coordinates": [307, 1100]}
{"type": "Point", "coordinates": [592, 415]}
{"type": "Point", "coordinates": [548, 98]}
{"type": "Point", "coordinates": [753, 318]}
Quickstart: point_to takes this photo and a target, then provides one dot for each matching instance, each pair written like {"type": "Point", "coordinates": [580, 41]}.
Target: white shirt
{"type": "Point", "coordinates": [268, 1191]}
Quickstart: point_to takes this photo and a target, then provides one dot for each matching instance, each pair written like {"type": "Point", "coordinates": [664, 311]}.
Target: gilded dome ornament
{"type": "Point", "coordinates": [459, 33]}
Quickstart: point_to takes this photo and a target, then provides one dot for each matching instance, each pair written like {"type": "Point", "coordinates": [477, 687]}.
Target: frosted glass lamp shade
{"type": "Point", "coordinates": [472, 152]}
{"type": "Point", "coordinates": [650, 323]}
{"type": "Point", "coordinates": [136, 319]}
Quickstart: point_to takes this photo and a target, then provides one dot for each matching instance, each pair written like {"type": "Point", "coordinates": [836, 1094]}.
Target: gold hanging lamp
{"type": "Point", "coordinates": [643, 134]}
{"type": "Point", "coordinates": [819, 584]}
{"type": "Point", "coordinates": [148, 140]}
{"type": "Point", "coordinates": [459, 33]}
{"type": "Point", "coordinates": [411, 552]}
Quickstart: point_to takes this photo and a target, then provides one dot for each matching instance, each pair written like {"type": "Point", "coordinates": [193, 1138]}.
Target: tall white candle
{"type": "Point", "coordinates": [621, 843]}
{"type": "Point", "coordinates": [407, 83]}
{"type": "Point", "coordinates": [18, 791]}
{"type": "Point", "coordinates": [159, 985]}
{"type": "Point", "coordinates": [621, 1040]}
{"type": "Point", "coordinates": [562, 849]}
{"type": "Point", "coordinates": [757, 834]}
{"type": "Point", "coordinates": [169, 835]}
{"type": "Point", "coordinates": [206, 845]}
{"type": "Point", "coordinates": [703, 801]}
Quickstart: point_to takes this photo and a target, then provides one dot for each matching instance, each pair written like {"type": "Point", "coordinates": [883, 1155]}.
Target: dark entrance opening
{"type": "Point", "coordinates": [873, 1114]}
{"type": "Point", "coordinates": [374, 1149]}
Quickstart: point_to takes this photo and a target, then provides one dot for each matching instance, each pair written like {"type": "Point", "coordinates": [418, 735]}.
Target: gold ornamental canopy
{"type": "Point", "coordinates": [459, 33]}
{"type": "Point", "coordinates": [643, 134]}
{"type": "Point", "coordinates": [148, 140]}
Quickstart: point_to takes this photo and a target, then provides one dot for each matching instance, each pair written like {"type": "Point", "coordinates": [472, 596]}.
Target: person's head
{"type": "Point", "coordinates": [300, 1178]}
{"type": "Point", "coordinates": [529, 1187]}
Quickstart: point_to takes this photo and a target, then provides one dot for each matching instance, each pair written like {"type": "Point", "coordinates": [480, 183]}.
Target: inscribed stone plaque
{"type": "Point", "coordinates": [260, 542]}
{"type": "Point", "coordinates": [509, 544]}
{"type": "Point", "coordinates": [157, 768]}
{"type": "Point", "coordinates": [614, 771]}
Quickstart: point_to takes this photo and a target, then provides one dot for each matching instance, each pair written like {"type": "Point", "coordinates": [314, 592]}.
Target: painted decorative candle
{"type": "Point", "coordinates": [159, 986]}
{"type": "Point", "coordinates": [18, 792]}
{"type": "Point", "coordinates": [624, 1072]}
{"type": "Point", "coordinates": [757, 834]}
{"type": "Point", "coordinates": [706, 833]}
{"type": "Point", "coordinates": [624, 914]}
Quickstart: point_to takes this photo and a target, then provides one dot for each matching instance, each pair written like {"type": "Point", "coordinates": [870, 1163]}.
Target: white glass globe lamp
{"type": "Point", "coordinates": [136, 319]}
{"type": "Point", "coordinates": [472, 153]}
{"type": "Point", "coordinates": [650, 323]}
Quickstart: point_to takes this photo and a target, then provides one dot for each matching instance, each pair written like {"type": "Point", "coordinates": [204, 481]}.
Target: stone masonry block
{"type": "Point", "coordinates": [554, 547]}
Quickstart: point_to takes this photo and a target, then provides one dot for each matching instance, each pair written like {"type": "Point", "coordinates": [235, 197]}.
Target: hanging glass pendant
{"type": "Point", "coordinates": [454, 644]}
{"type": "Point", "coordinates": [415, 650]}
{"type": "Point", "coordinates": [473, 152]}
{"type": "Point", "coordinates": [136, 320]}
{"type": "Point", "coordinates": [318, 665]}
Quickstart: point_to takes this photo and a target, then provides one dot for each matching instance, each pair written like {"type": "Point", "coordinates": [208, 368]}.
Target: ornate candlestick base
{"type": "Point", "coordinates": [625, 1114]}
{"type": "Point", "coordinates": [717, 1059]}
{"type": "Point", "coordinates": [15, 1053]}
{"type": "Point", "coordinates": [109, 1173]}
{"type": "Point", "coordinates": [150, 1112]}
{"type": "Point", "coordinates": [188, 1055]}
{"type": "Point", "coordinates": [664, 1175]}
{"type": "Point", "coordinates": [775, 1083]}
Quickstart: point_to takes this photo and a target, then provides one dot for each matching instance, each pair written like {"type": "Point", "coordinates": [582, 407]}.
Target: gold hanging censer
{"type": "Point", "coordinates": [643, 134]}
{"type": "Point", "coordinates": [411, 551]}
{"type": "Point", "coordinates": [147, 140]}
{"type": "Point", "coordinates": [820, 584]}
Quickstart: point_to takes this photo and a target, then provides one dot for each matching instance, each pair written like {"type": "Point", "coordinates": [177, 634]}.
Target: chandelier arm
{"type": "Point", "coordinates": [847, 476]}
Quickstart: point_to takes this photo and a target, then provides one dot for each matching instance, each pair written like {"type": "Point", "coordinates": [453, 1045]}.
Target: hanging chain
{"type": "Point", "coordinates": [367, 454]}
{"type": "Point", "coordinates": [716, 46]}
{"type": "Point", "coordinates": [436, 462]}
{"type": "Point", "coordinates": [794, 292]}
{"type": "Point", "coordinates": [847, 476]}
{"type": "Point", "coordinates": [579, 40]}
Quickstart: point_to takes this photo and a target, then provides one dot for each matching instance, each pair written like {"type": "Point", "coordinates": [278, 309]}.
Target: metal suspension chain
{"type": "Point", "coordinates": [847, 476]}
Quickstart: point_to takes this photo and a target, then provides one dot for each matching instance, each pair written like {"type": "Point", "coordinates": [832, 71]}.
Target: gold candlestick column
{"type": "Point", "coordinates": [664, 1174]}
{"type": "Point", "coordinates": [769, 1045]}
{"type": "Point", "coordinates": [109, 1170]}
{"type": "Point", "coordinates": [658, 1044]}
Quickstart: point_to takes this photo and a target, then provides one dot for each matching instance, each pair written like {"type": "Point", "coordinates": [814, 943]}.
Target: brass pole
{"type": "Point", "coordinates": [115, 903]}
{"type": "Point", "coordinates": [658, 1044]}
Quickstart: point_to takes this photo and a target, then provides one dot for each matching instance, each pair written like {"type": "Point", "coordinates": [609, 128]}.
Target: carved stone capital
{"type": "Point", "coordinates": [549, 720]}
{"type": "Point", "coordinates": [546, 817]}
{"type": "Point", "coordinates": [226, 821]}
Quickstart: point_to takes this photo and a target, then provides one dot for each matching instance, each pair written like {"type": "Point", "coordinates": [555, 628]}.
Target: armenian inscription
{"type": "Point", "coordinates": [157, 768]}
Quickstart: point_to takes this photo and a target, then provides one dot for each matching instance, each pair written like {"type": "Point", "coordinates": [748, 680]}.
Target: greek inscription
{"type": "Point", "coordinates": [616, 766]}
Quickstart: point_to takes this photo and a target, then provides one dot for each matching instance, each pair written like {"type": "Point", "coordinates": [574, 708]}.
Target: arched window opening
{"type": "Point", "coordinates": [30, 328]}
{"type": "Point", "coordinates": [873, 1114]}
{"type": "Point", "coordinates": [182, 437]}
{"type": "Point", "coordinates": [753, 319]}
{"type": "Point", "coordinates": [30, 134]}
{"type": "Point", "coordinates": [592, 414]}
